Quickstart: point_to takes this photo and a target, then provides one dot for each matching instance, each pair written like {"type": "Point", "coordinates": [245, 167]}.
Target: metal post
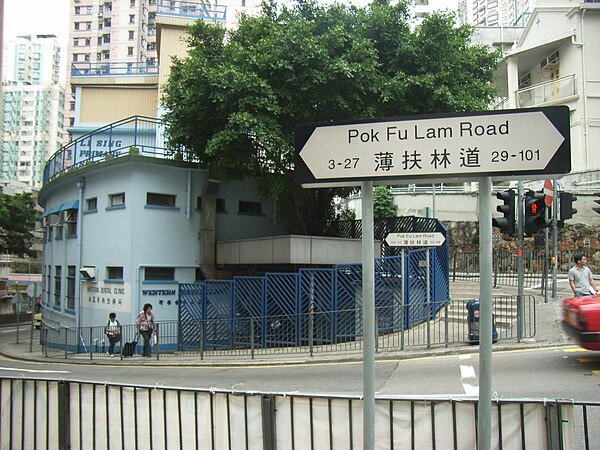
{"type": "Point", "coordinates": [252, 337]}
{"type": "Point", "coordinates": [520, 265]}
{"type": "Point", "coordinates": [18, 307]}
{"type": "Point", "coordinates": [554, 238]}
{"type": "Point", "coordinates": [91, 344]}
{"type": "Point", "coordinates": [368, 269]}
{"type": "Point", "coordinates": [545, 275]}
{"type": "Point", "coordinates": [403, 301]}
{"type": "Point", "coordinates": [64, 415]}
{"type": "Point", "coordinates": [484, 425]}
{"type": "Point", "coordinates": [32, 316]}
{"type": "Point", "coordinates": [428, 279]}
{"type": "Point", "coordinates": [67, 342]}
{"type": "Point", "coordinates": [310, 330]}
{"type": "Point", "coordinates": [202, 325]}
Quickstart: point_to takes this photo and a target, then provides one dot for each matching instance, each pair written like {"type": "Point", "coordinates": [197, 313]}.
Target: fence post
{"type": "Point", "coordinates": [157, 341]}
{"type": "Point", "coordinates": [520, 318]}
{"type": "Point", "coordinates": [446, 324]}
{"type": "Point", "coordinates": [428, 280]}
{"type": "Point", "coordinates": [376, 330]}
{"type": "Point", "coordinates": [403, 302]}
{"type": "Point", "coordinates": [91, 344]}
{"type": "Point", "coordinates": [64, 416]}
{"type": "Point", "coordinates": [66, 341]}
{"type": "Point", "coordinates": [252, 337]}
{"type": "Point", "coordinates": [202, 325]}
{"type": "Point", "coordinates": [496, 270]}
{"type": "Point", "coordinates": [311, 330]}
{"type": "Point", "coordinates": [269, 430]}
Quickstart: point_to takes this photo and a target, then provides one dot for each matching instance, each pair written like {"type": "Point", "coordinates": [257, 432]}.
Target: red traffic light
{"type": "Point", "coordinates": [534, 208]}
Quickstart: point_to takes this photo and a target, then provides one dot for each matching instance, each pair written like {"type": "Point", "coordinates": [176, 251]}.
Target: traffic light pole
{"type": "Point", "coordinates": [520, 265]}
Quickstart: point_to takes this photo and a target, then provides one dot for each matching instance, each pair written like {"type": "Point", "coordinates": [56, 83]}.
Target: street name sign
{"type": "Point", "coordinates": [415, 239]}
{"type": "Point", "coordinates": [528, 143]}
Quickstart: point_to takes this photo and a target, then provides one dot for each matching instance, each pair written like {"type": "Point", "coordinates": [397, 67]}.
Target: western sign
{"type": "Point", "coordinates": [502, 144]}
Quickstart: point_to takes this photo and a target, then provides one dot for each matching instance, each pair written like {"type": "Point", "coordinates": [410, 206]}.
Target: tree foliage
{"type": "Point", "coordinates": [383, 202]}
{"type": "Point", "coordinates": [235, 99]}
{"type": "Point", "coordinates": [17, 221]}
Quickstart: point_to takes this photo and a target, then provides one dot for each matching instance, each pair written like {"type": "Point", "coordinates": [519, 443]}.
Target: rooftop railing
{"type": "Point", "coordinates": [137, 134]}
{"type": "Point", "coordinates": [197, 10]}
{"type": "Point", "coordinates": [93, 69]}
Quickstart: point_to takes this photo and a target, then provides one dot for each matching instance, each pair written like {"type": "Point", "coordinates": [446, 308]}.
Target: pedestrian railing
{"type": "Point", "coordinates": [443, 324]}
{"type": "Point", "coordinates": [80, 415]}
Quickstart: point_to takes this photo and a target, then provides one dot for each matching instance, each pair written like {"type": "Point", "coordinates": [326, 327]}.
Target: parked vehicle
{"type": "Point", "coordinates": [581, 320]}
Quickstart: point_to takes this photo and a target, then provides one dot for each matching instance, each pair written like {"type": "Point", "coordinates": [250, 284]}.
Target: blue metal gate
{"type": "Point", "coordinates": [409, 289]}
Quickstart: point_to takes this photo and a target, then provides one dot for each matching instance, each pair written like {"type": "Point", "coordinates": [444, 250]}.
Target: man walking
{"type": "Point", "coordinates": [581, 279]}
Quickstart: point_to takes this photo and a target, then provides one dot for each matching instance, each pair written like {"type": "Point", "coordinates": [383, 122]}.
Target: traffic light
{"type": "Point", "coordinates": [566, 200]}
{"type": "Point", "coordinates": [597, 194]}
{"type": "Point", "coordinates": [506, 223]}
{"type": "Point", "coordinates": [535, 213]}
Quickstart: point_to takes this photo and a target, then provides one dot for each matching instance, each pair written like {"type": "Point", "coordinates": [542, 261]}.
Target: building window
{"type": "Point", "coordinates": [221, 205]}
{"type": "Point", "coordinates": [132, 3]}
{"type": "Point", "coordinates": [77, 25]}
{"type": "Point", "coordinates": [77, 10]}
{"type": "Point", "coordinates": [48, 283]}
{"type": "Point", "coordinates": [159, 274]}
{"type": "Point", "coordinates": [116, 200]}
{"type": "Point", "coordinates": [70, 218]}
{"type": "Point", "coordinates": [114, 273]}
{"type": "Point", "coordinates": [71, 287]}
{"type": "Point", "coordinates": [131, 35]}
{"type": "Point", "coordinates": [131, 18]}
{"type": "Point", "coordinates": [71, 106]}
{"type": "Point", "coordinates": [57, 284]}
{"type": "Point", "coordinates": [250, 208]}
{"type": "Point", "coordinates": [129, 51]}
{"type": "Point", "coordinates": [166, 200]}
{"type": "Point", "coordinates": [107, 22]}
{"type": "Point", "coordinates": [88, 9]}
{"type": "Point", "coordinates": [86, 57]}
{"type": "Point", "coordinates": [88, 42]}
{"type": "Point", "coordinates": [92, 204]}
{"type": "Point", "coordinates": [75, 42]}
{"type": "Point", "coordinates": [88, 25]}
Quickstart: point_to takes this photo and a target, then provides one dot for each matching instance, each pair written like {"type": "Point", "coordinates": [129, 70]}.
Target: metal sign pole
{"type": "Point", "coordinates": [484, 426]}
{"type": "Point", "coordinates": [520, 262]}
{"type": "Point", "coordinates": [368, 269]}
{"type": "Point", "coordinates": [554, 238]}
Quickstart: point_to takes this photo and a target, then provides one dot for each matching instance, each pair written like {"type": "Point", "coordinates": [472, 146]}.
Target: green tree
{"type": "Point", "coordinates": [17, 221]}
{"type": "Point", "coordinates": [235, 99]}
{"type": "Point", "coordinates": [383, 202]}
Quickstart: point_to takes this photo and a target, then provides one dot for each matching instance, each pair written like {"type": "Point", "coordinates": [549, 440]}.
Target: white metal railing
{"type": "Point", "coordinates": [546, 92]}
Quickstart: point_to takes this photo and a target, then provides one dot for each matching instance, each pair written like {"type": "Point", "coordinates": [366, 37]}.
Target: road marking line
{"type": "Point", "coordinates": [575, 349]}
{"type": "Point", "coordinates": [588, 360]}
{"type": "Point", "coordinates": [467, 372]}
{"type": "Point", "coordinates": [596, 372]}
{"type": "Point", "coordinates": [33, 371]}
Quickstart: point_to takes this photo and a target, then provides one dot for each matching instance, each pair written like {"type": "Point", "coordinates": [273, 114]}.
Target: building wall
{"type": "Point", "coordinates": [137, 236]}
{"type": "Point", "coordinates": [106, 104]}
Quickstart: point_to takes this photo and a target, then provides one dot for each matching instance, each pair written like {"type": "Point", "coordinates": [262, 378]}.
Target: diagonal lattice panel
{"type": "Point", "coordinates": [249, 304]}
{"type": "Point", "coordinates": [349, 301]}
{"type": "Point", "coordinates": [388, 294]}
{"type": "Point", "coordinates": [317, 294]}
{"type": "Point", "coordinates": [191, 312]}
{"type": "Point", "coordinates": [282, 308]}
{"type": "Point", "coordinates": [218, 325]}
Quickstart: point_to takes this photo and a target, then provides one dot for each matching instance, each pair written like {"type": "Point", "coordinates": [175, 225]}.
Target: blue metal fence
{"type": "Point", "coordinates": [409, 289]}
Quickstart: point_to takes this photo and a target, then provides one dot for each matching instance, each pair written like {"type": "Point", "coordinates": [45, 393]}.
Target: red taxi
{"type": "Point", "coordinates": [581, 320]}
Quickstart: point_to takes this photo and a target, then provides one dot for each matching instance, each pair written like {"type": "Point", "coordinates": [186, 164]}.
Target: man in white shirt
{"type": "Point", "coordinates": [581, 279]}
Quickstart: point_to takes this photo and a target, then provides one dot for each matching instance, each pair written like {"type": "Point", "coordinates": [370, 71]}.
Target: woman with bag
{"type": "Point", "coordinates": [145, 327]}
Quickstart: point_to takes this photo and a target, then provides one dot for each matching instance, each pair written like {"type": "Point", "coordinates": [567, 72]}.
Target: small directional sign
{"type": "Point", "coordinates": [501, 144]}
{"type": "Point", "coordinates": [415, 239]}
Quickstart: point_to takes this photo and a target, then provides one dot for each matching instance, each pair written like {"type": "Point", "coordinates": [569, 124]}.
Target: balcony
{"type": "Point", "coordinates": [190, 9]}
{"type": "Point", "coordinates": [547, 92]}
{"type": "Point", "coordinates": [86, 69]}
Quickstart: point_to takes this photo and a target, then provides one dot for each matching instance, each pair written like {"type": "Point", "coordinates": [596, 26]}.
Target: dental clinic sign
{"type": "Point", "coordinates": [505, 144]}
{"type": "Point", "coordinates": [106, 296]}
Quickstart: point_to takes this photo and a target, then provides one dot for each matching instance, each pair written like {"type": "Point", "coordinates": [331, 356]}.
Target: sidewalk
{"type": "Point", "coordinates": [547, 334]}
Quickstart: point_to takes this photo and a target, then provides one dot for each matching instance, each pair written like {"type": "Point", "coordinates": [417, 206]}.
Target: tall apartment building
{"type": "Point", "coordinates": [33, 107]}
{"type": "Point", "coordinates": [108, 32]}
{"type": "Point", "coordinates": [495, 13]}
